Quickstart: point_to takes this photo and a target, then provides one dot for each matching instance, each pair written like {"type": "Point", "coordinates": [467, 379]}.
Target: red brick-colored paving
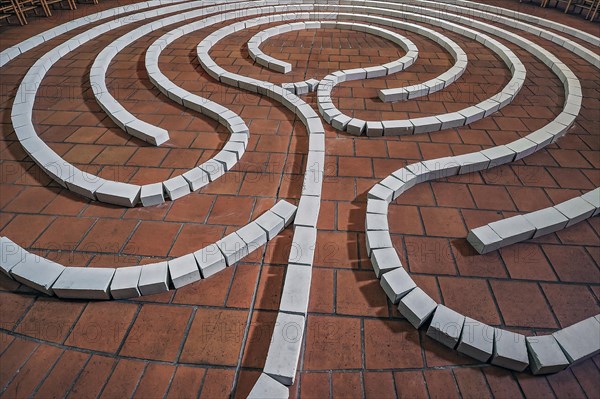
{"type": "Point", "coordinates": [210, 339]}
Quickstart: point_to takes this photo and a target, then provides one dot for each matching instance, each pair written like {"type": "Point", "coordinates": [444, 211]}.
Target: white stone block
{"type": "Point", "coordinates": [152, 194]}
{"type": "Point", "coordinates": [124, 284]}
{"type": "Point", "coordinates": [284, 351]}
{"type": "Point", "coordinates": [377, 206]}
{"type": "Point", "coordinates": [546, 221]}
{"type": "Point", "coordinates": [522, 147]}
{"type": "Point", "coordinates": [233, 248]}
{"type": "Point", "coordinates": [228, 159]}
{"type": "Point", "coordinates": [176, 187]}
{"type": "Point", "coordinates": [381, 192]}
{"type": "Point", "coordinates": [393, 95]}
{"type": "Point", "coordinates": [296, 289]}
{"type": "Point", "coordinates": [441, 167]}
{"type": "Point", "coordinates": [376, 222]}
{"type": "Point", "coordinates": [593, 198]}
{"type": "Point", "coordinates": [37, 272]}
{"type": "Point", "coordinates": [284, 210]}
{"type": "Point", "coordinates": [472, 162]}
{"type": "Point", "coordinates": [340, 121]}
{"type": "Point", "coordinates": [303, 246]}
{"type": "Point", "coordinates": [308, 211]}
{"type": "Point", "coordinates": [183, 270]}
{"type": "Point", "coordinates": [419, 170]}
{"type": "Point", "coordinates": [356, 127]}
{"type": "Point", "coordinates": [510, 350]}
{"type": "Point", "coordinates": [154, 278]}
{"type": "Point", "coordinates": [581, 340]}
{"type": "Point", "coordinates": [147, 132]}
{"type": "Point", "coordinates": [545, 355]}
{"type": "Point", "coordinates": [210, 260]}
{"type": "Point", "coordinates": [196, 178]}
{"type": "Point", "coordinates": [576, 210]}
{"type": "Point", "coordinates": [118, 193]}
{"type": "Point", "coordinates": [271, 223]}
{"type": "Point", "coordinates": [376, 240]}
{"type": "Point", "coordinates": [268, 388]}
{"type": "Point", "coordinates": [384, 259]}
{"type": "Point", "coordinates": [84, 184]}
{"type": "Point", "coordinates": [446, 326]}
{"type": "Point", "coordinates": [10, 255]}
{"type": "Point", "coordinates": [476, 340]}
{"type": "Point", "coordinates": [374, 129]}
{"type": "Point", "coordinates": [472, 114]}
{"type": "Point", "coordinates": [499, 155]}
{"type": "Point", "coordinates": [396, 284]}
{"type": "Point", "coordinates": [513, 230]}
{"type": "Point", "coordinates": [451, 120]}
{"type": "Point", "coordinates": [253, 235]}
{"type": "Point", "coordinates": [417, 307]}
{"type": "Point", "coordinates": [84, 283]}
{"type": "Point", "coordinates": [484, 239]}
{"type": "Point", "coordinates": [213, 168]}
{"type": "Point", "coordinates": [426, 124]}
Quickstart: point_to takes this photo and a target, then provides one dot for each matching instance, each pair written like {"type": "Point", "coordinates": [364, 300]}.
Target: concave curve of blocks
{"type": "Point", "coordinates": [99, 283]}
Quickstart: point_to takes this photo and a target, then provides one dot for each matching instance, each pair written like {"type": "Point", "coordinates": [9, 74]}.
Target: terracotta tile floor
{"type": "Point", "coordinates": [210, 339]}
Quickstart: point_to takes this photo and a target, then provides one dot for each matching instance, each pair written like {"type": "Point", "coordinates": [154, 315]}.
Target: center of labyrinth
{"type": "Point", "coordinates": [366, 187]}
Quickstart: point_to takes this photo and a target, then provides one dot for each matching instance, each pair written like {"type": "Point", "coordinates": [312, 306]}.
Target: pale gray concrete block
{"type": "Point", "coordinates": [233, 248]}
{"type": "Point", "coordinates": [545, 355]}
{"type": "Point", "coordinates": [253, 235]}
{"type": "Point", "coordinates": [441, 167]}
{"type": "Point", "coordinates": [499, 155]}
{"type": "Point", "coordinates": [285, 210]}
{"type": "Point", "coordinates": [125, 282]}
{"type": "Point", "coordinates": [213, 168]}
{"type": "Point", "coordinates": [581, 340]}
{"type": "Point", "coordinates": [510, 350]}
{"type": "Point", "coordinates": [196, 178]}
{"type": "Point", "coordinates": [303, 245]}
{"type": "Point", "coordinates": [398, 128]}
{"type": "Point", "coordinates": [417, 307]}
{"type": "Point", "coordinates": [484, 239]}
{"type": "Point", "coordinates": [377, 206]}
{"type": "Point", "coordinates": [476, 340]}
{"type": "Point", "coordinates": [296, 289]}
{"type": "Point", "coordinates": [376, 222]}
{"type": "Point", "coordinates": [546, 221]}
{"type": "Point", "coordinates": [393, 95]}
{"type": "Point", "coordinates": [284, 351]}
{"type": "Point", "coordinates": [384, 260]}
{"type": "Point", "coordinates": [154, 278]}
{"type": "Point", "coordinates": [301, 88]}
{"type": "Point", "coordinates": [340, 121]}
{"type": "Point", "coordinates": [446, 326]}
{"type": "Point", "coordinates": [227, 159]}
{"type": "Point", "coordinates": [184, 270]}
{"type": "Point", "coordinates": [37, 272]}
{"type": "Point", "coordinates": [426, 124]}
{"type": "Point", "coordinates": [356, 127]}
{"type": "Point", "coordinates": [84, 283]}
{"type": "Point", "coordinates": [84, 184]}
{"type": "Point", "coordinates": [176, 187]}
{"type": "Point", "coordinates": [396, 284]}
{"type": "Point", "coordinates": [308, 211]}
{"type": "Point", "coordinates": [472, 162]}
{"type": "Point", "coordinates": [576, 210]}
{"type": "Point", "coordinates": [10, 255]}
{"type": "Point", "coordinates": [451, 120]}
{"type": "Point", "coordinates": [513, 230]}
{"type": "Point", "coordinates": [593, 197]}
{"type": "Point", "coordinates": [374, 128]}
{"type": "Point", "coordinates": [313, 84]}
{"type": "Point", "coordinates": [419, 170]}
{"type": "Point", "coordinates": [118, 193]}
{"type": "Point", "coordinates": [381, 192]}
{"type": "Point", "coordinates": [376, 240]}
{"type": "Point", "coordinates": [210, 260]}
{"type": "Point", "coordinates": [393, 183]}
{"type": "Point", "coordinates": [522, 147]}
{"type": "Point", "coordinates": [268, 388]}
{"type": "Point", "coordinates": [152, 194]}
{"type": "Point", "coordinates": [271, 223]}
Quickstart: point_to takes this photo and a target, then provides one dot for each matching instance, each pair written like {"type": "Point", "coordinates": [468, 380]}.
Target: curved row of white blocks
{"type": "Point", "coordinates": [98, 283]}
{"type": "Point", "coordinates": [543, 354]}
{"type": "Point", "coordinates": [433, 9]}
{"type": "Point", "coordinates": [428, 124]}
{"type": "Point", "coordinates": [118, 193]}
{"type": "Point", "coordinates": [512, 230]}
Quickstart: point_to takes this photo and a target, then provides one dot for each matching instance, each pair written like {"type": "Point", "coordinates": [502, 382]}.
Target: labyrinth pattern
{"type": "Point", "coordinates": [162, 64]}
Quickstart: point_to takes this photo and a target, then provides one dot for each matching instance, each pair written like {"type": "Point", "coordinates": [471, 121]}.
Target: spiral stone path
{"type": "Point", "coordinates": [277, 198]}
